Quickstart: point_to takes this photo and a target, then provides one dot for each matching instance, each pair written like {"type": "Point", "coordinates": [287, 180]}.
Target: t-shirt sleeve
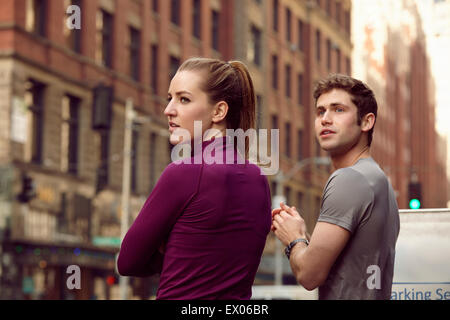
{"type": "Point", "coordinates": [347, 198]}
{"type": "Point", "coordinates": [176, 187]}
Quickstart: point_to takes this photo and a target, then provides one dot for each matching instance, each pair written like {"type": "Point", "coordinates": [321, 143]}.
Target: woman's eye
{"type": "Point", "coordinates": [184, 100]}
{"type": "Point", "coordinates": [169, 98]}
{"type": "Point", "coordinates": [339, 110]}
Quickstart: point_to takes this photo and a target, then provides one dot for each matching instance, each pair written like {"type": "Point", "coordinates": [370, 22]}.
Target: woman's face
{"type": "Point", "coordinates": [187, 103]}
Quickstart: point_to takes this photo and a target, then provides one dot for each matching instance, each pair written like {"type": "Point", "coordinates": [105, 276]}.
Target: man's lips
{"type": "Point", "coordinates": [326, 132]}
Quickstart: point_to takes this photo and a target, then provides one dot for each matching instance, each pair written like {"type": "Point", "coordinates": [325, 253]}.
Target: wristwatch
{"type": "Point", "coordinates": [287, 250]}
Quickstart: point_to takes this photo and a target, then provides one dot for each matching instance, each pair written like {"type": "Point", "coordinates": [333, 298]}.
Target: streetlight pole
{"type": "Point", "coordinates": [280, 179]}
{"type": "Point", "coordinates": [126, 177]}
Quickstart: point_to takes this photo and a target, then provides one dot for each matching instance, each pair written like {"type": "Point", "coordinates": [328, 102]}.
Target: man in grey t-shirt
{"type": "Point", "coordinates": [351, 252]}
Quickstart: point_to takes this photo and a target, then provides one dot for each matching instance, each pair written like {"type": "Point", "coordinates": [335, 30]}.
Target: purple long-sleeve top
{"type": "Point", "coordinates": [213, 219]}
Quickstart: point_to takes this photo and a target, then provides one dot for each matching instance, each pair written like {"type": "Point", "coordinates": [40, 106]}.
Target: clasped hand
{"type": "Point", "coordinates": [287, 224]}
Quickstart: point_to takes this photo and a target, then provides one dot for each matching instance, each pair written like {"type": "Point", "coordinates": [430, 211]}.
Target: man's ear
{"type": "Point", "coordinates": [220, 111]}
{"type": "Point", "coordinates": [367, 122]}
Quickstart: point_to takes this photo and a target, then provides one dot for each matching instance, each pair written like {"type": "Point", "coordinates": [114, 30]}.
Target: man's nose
{"type": "Point", "coordinates": [326, 118]}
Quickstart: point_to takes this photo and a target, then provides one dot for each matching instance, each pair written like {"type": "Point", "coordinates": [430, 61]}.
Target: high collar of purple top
{"type": "Point", "coordinates": [223, 144]}
{"type": "Point", "coordinates": [215, 141]}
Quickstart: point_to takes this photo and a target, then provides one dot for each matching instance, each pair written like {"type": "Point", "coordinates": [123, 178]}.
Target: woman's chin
{"type": "Point", "coordinates": [175, 139]}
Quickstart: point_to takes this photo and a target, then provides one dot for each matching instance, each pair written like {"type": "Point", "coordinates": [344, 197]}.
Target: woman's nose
{"type": "Point", "coordinates": [169, 110]}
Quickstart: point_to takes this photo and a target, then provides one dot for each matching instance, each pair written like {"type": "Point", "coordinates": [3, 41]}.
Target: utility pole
{"type": "Point", "coordinates": [280, 179]}
{"type": "Point", "coordinates": [126, 177]}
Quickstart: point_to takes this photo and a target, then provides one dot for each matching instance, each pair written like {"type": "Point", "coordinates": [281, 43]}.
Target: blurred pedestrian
{"type": "Point", "coordinates": [204, 225]}
{"type": "Point", "coordinates": [351, 252]}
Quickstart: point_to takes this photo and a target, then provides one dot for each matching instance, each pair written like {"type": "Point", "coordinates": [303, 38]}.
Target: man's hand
{"type": "Point", "coordinates": [287, 224]}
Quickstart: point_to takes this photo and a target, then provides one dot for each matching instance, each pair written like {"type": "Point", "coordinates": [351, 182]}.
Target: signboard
{"type": "Point", "coordinates": [106, 241]}
{"type": "Point", "coordinates": [422, 260]}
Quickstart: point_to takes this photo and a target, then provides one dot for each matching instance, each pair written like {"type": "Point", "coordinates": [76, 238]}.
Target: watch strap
{"type": "Point", "coordinates": [287, 250]}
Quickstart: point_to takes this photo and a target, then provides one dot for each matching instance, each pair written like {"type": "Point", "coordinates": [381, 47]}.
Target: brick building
{"type": "Point", "coordinates": [391, 55]}
{"type": "Point", "coordinates": [63, 95]}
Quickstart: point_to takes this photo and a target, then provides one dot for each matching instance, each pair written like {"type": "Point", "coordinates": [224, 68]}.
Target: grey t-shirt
{"type": "Point", "coordinates": [360, 199]}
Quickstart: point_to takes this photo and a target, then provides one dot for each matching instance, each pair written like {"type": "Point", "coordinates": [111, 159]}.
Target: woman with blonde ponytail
{"type": "Point", "coordinates": [205, 224]}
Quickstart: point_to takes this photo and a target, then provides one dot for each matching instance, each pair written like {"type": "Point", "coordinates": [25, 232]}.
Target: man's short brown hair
{"type": "Point", "coordinates": [362, 96]}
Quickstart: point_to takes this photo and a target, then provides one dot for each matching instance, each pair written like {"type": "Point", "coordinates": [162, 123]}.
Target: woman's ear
{"type": "Point", "coordinates": [220, 111]}
{"type": "Point", "coordinates": [368, 121]}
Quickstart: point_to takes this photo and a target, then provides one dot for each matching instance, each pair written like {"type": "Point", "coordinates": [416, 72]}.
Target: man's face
{"type": "Point", "coordinates": [336, 127]}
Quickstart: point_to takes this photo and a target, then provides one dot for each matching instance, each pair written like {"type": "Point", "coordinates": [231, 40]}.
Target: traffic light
{"type": "Point", "coordinates": [112, 280]}
{"type": "Point", "coordinates": [414, 195]}
{"type": "Point", "coordinates": [28, 191]}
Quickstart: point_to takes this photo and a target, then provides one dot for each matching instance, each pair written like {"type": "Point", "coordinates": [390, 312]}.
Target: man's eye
{"type": "Point", "coordinates": [339, 110]}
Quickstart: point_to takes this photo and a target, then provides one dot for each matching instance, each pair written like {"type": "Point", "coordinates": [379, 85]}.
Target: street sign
{"type": "Point", "coordinates": [106, 241]}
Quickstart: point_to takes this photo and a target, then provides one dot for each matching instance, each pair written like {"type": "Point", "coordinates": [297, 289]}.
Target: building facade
{"type": "Point", "coordinates": [391, 55]}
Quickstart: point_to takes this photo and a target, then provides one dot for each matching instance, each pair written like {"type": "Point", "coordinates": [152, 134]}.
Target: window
{"type": "Point", "coordinates": [103, 169]}
{"type": "Point", "coordinates": [34, 100]}
{"type": "Point", "coordinates": [300, 88]}
{"type": "Point", "coordinates": [273, 186]}
{"type": "Point", "coordinates": [300, 35]}
{"type": "Point", "coordinates": [299, 201]}
{"type": "Point", "coordinates": [328, 54]}
{"type": "Point", "coordinates": [259, 106]}
{"type": "Point", "coordinates": [153, 140]}
{"type": "Point", "coordinates": [274, 72]}
{"type": "Point", "coordinates": [338, 60]}
{"type": "Point", "coordinates": [174, 64]}
{"type": "Point", "coordinates": [69, 134]}
{"type": "Point", "coordinates": [73, 37]}
{"type": "Point", "coordinates": [104, 40]}
{"type": "Point", "coordinates": [288, 80]}
{"type": "Point", "coordinates": [275, 15]}
{"type": "Point", "coordinates": [299, 145]}
{"type": "Point", "coordinates": [328, 7]}
{"type": "Point", "coordinates": [254, 50]}
{"type": "Point", "coordinates": [347, 21]}
{"type": "Point", "coordinates": [338, 13]}
{"type": "Point", "coordinates": [274, 122]}
{"type": "Point", "coordinates": [287, 136]}
{"type": "Point", "coordinates": [215, 30]}
{"type": "Point", "coordinates": [317, 150]}
{"type": "Point", "coordinates": [175, 12]}
{"type": "Point", "coordinates": [318, 48]}
{"type": "Point", "coordinates": [155, 6]}
{"type": "Point", "coordinates": [287, 194]}
{"type": "Point", "coordinates": [288, 25]}
{"type": "Point", "coordinates": [134, 157]}
{"type": "Point", "coordinates": [196, 18]}
{"type": "Point", "coordinates": [36, 17]}
{"type": "Point", "coordinates": [348, 66]}
{"type": "Point", "coordinates": [154, 69]}
{"type": "Point", "coordinates": [135, 46]}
